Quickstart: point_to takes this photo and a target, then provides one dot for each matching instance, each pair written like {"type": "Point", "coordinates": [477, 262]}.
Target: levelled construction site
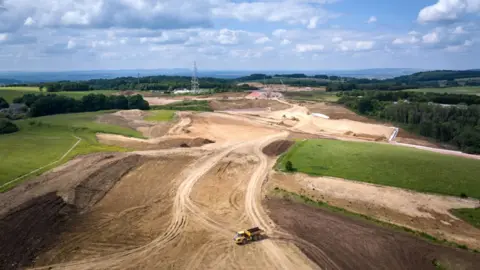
{"type": "Point", "coordinates": [202, 184]}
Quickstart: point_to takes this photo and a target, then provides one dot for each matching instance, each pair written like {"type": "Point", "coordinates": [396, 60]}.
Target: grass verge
{"type": "Point", "coordinates": [385, 164]}
{"type": "Point", "coordinates": [291, 196]}
{"type": "Point", "coordinates": [185, 105]}
{"type": "Point", "coordinates": [160, 115]}
{"type": "Point", "coordinates": [43, 140]}
{"type": "Point", "coordinates": [470, 90]}
{"type": "Point", "coordinates": [469, 215]}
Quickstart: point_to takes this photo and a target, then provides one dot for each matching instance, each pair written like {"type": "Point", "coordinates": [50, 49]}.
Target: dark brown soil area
{"type": "Point", "coordinates": [277, 148]}
{"type": "Point", "coordinates": [33, 214]}
{"type": "Point", "coordinates": [29, 228]}
{"type": "Point", "coordinates": [224, 105]}
{"type": "Point", "coordinates": [335, 241]}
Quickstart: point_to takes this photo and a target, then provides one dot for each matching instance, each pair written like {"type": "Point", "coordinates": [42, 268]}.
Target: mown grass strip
{"type": "Point", "coordinates": [388, 165]}
{"type": "Point", "coordinates": [160, 115]}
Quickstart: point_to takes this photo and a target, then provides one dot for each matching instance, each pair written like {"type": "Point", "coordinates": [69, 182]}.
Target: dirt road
{"type": "Point", "coordinates": [173, 208]}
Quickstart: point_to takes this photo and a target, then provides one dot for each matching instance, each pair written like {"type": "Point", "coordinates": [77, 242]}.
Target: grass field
{"type": "Point", "coordinates": [312, 96]}
{"type": "Point", "coordinates": [185, 105]}
{"type": "Point", "coordinates": [43, 140]}
{"type": "Point", "coordinates": [10, 93]}
{"type": "Point", "coordinates": [386, 165]}
{"type": "Point", "coordinates": [471, 90]}
{"type": "Point", "coordinates": [472, 216]}
{"type": "Point", "coordinates": [160, 116]}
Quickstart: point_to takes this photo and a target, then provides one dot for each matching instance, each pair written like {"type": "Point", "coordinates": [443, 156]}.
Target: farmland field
{"type": "Point", "coordinates": [471, 90]}
{"type": "Point", "coordinates": [10, 93]}
{"type": "Point", "coordinates": [386, 165]}
{"type": "Point", "coordinates": [43, 140]}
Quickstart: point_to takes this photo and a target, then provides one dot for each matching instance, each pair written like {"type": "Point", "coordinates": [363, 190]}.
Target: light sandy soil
{"type": "Point", "coordinates": [419, 211]}
{"type": "Point", "coordinates": [178, 208]}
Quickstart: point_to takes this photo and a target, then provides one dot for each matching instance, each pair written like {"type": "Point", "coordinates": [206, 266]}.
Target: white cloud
{"type": "Point", "coordinates": [459, 30]}
{"type": "Point", "coordinates": [337, 39]}
{"type": "Point", "coordinates": [301, 48]}
{"type": "Point", "coordinates": [279, 32]}
{"type": "Point", "coordinates": [305, 12]}
{"type": "Point", "coordinates": [312, 24]}
{"type": "Point", "coordinates": [408, 40]}
{"type": "Point", "coordinates": [459, 48]}
{"type": "Point", "coordinates": [71, 44]}
{"type": "Point", "coordinates": [372, 19]}
{"type": "Point", "coordinates": [3, 37]}
{"type": "Point", "coordinates": [413, 33]}
{"type": "Point", "coordinates": [351, 45]}
{"type": "Point", "coordinates": [448, 10]}
{"type": "Point", "coordinates": [29, 21]}
{"type": "Point", "coordinates": [262, 40]}
{"type": "Point", "coordinates": [149, 14]}
{"type": "Point", "coordinates": [285, 42]}
{"type": "Point", "coordinates": [431, 38]}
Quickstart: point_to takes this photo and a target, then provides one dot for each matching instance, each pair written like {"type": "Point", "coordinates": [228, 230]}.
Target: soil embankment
{"type": "Point", "coordinates": [335, 241]}
{"type": "Point", "coordinates": [35, 213]}
{"type": "Point", "coordinates": [277, 148]}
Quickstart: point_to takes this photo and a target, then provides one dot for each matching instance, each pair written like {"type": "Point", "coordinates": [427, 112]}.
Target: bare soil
{"type": "Point", "coordinates": [225, 105]}
{"type": "Point", "coordinates": [277, 148]}
{"type": "Point", "coordinates": [422, 212]}
{"type": "Point", "coordinates": [178, 208]}
{"type": "Point", "coordinates": [334, 241]}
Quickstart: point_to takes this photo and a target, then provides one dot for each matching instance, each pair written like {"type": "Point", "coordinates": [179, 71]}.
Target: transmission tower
{"type": "Point", "coordinates": [195, 83]}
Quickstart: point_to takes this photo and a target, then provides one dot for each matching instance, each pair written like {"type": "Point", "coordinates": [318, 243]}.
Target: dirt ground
{"type": "Point", "coordinates": [277, 148]}
{"type": "Point", "coordinates": [423, 212]}
{"type": "Point", "coordinates": [334, 241]}
{"type": "Point", "coordinates": [177, 202]}
{"type": "Point", "coordinates": [226, 105]}
{"type": "Point", "coordinates": [280, 87]}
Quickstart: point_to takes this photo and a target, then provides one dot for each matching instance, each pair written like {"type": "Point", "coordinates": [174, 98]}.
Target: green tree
{"type": "Point", "coordinates": [7, 127]}
{"type": "Point", "coordinates": [289, 166]}
{"type": "Point", "coordinates": [3, 103]}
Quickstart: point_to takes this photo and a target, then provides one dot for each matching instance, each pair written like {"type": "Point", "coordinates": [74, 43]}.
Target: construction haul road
{"type": "Point", "coordinates": [179, 208]}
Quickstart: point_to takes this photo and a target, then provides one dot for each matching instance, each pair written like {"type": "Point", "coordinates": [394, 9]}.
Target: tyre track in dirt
{"type": "Point", "coordinates": [254, 210]}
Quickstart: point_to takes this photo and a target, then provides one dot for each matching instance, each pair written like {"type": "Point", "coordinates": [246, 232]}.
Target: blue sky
{"type": "Point", "coordinates": [239, 34]}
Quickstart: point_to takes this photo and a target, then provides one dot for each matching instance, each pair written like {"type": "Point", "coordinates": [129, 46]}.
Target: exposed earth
{"type": "Point", "coordinates": [177, 201]}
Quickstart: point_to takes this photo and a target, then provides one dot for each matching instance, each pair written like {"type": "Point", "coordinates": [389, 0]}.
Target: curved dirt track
{"type": "Point", "coordinates": [179, 208]}
{"type": "Point", "coordinates": [187, 215]}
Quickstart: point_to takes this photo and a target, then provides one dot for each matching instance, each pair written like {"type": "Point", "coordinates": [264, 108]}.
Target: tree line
{"type": "Point", "coordinates": [452, 124]}
{"type": "Point", "coordinates": [440, 98]}
{"type": "Point", "coordinates": [50, 104]}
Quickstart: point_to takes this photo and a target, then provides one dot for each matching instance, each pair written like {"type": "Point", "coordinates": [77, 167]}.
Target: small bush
{"type": "Point", "coordinates": [7, 127]}
{"type": "Point", "coordinates": [463, 195]}
{"type": "Point", "coordinates": [289, 166]}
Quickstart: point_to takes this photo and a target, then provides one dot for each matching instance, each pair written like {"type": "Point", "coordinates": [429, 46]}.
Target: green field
{"type": "Point", "coordinates": [10, 93]}
{"type": "Point", "coordinates": [160, 115]}
{"type": "Point", "coordinates": [470, 90]}
{"type": "Point", "coordinates": [387, 165]}
{"type": "Point", "coordinates": [320, 96]}
{"type": "Point", "coordinates": [21, 88]}
{"type": "Point", "coordinates": [472, 216]}
{"type": "Point", "coordinates": [185, 105]}
{"type": "Point", "coordinates": [43, 140]}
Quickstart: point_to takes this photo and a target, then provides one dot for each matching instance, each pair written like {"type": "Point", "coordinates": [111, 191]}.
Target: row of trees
{"type": "Point", "coordinates": [50, 104]}
{"type": "Point", "coordinates": [440, 98]}
{"type": "Point", "coordinates": [65, 86]}
{"type": "Point", "coordinates": [456, 125]}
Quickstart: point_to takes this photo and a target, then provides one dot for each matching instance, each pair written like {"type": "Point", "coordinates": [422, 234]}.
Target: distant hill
{"type": "Point", "coordinates": [437, 75]}
{"type": "Point", "coordinates": [9, 81]}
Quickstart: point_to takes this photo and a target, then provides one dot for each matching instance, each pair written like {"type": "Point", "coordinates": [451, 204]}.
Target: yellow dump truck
{"type": "Point", "coordinates": [253, 234]}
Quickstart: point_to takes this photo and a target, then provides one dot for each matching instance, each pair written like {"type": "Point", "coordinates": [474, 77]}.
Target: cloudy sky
{"type": "Point", "coordinates": [239, 34]}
